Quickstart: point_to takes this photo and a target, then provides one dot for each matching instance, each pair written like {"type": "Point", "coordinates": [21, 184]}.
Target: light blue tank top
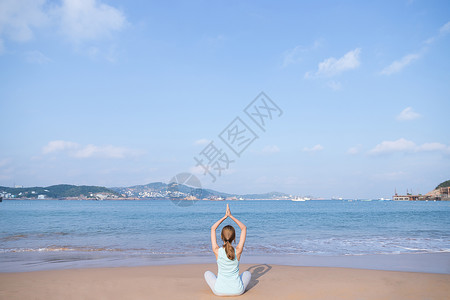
{"type": "Point", "coordinates": [228, 280]}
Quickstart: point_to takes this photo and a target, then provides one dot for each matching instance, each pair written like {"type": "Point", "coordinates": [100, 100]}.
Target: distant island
{"type": "Point", "coordinates": [160, 190]}
{"type": "Point", "coordinates": [60, 191]}
{"type": "Point", "coordinates": [155, 190]}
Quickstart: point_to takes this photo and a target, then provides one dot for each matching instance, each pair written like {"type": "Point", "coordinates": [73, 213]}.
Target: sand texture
{"type": "Point", "coordinates": [186, 282]}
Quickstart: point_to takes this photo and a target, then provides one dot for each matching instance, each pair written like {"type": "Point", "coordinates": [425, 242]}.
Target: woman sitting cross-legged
{"type": "Point", "coordinates": [228, 282]}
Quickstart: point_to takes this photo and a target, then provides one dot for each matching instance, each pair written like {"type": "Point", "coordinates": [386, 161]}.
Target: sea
{"type": "Point", "coordinates": [56, 234]}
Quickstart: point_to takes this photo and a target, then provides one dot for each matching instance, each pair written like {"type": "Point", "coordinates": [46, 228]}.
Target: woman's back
{"type": "Point", "coordinates": [228, 279]}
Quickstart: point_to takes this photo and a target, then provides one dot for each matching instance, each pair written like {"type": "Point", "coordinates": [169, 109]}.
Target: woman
{"type": "Point", "coordinates": [228, 282]}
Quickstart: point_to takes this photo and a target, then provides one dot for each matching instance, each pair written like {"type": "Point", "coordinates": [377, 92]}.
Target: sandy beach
{"type": "Point", "coordinates": [186, 282]}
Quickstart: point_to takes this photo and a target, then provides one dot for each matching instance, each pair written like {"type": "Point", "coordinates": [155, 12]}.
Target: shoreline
{"type": "Point", "coordinates": [437, 263]}
{"type": "Point", "coordinates": [269, 281]}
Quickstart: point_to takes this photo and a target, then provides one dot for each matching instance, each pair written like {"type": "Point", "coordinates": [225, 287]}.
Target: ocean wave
{"type": "Point", "coordinates": [101, 249]}
{"type": "Point", "coordinates": [13, 237]}
{"type": "Point", "coordinates": [40, 235]}
{"type": "Point", "coordinates": [255, 250]}
{"type": "Point", "coordinates": [308, 246]}
{"type": "Point", "coordinates": [60, 249]}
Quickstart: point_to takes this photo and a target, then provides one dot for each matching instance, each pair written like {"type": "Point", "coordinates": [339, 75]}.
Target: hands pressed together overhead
{"type": "Point", "coordinates": [228, 212]}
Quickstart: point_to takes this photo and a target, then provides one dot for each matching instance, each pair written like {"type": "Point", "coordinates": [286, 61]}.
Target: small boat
{"type": "Point", "coordinates": [1, 199]}
{"type": "Point", "coordinates": [301, 199]}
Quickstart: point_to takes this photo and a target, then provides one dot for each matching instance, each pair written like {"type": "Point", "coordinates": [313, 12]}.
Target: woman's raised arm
{"type": "Point", "coordinates": [215, 247]}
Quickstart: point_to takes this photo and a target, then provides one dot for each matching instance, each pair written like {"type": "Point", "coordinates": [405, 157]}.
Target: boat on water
{"type": "Point", "coordinates": [1, 199]}
{"type": "Point", "coordinates": [301, 199]}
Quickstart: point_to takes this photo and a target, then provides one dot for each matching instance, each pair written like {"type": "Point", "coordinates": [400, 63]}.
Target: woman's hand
{"type": "Point", "coordinates": [228, 213]}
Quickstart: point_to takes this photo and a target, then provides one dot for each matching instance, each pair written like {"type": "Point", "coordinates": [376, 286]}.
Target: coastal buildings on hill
{"type": "Point", "coordinates": [440, 193]}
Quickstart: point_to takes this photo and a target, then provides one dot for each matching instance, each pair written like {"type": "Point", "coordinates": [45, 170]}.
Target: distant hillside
{"type": "Point", "coordinates": [159, 190]}
{"type": "Point", "coordinates": [153, 190]}
{"type": "Point", "coordinates": [58, 191]}
{"type": "Point", "coordinates": [444, 184]}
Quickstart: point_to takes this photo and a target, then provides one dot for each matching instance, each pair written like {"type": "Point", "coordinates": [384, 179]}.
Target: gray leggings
{"type": "Point", "coordinates": [211, 281]}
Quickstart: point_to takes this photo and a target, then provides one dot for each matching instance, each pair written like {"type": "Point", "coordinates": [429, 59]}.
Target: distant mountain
{"type": "Point", "coordinates": [152, 190]}
{"type": "Point", "coordinates": [58, 191]}
{"type": "Point", "coordinates": [443, 184]}
{"type": "Point", "coordinates": [160, 190]}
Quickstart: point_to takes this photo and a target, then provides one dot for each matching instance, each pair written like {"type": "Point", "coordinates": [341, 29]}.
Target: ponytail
{"type": "Point", "coordinates": [228, 235]}
{"type": "Point", "coordinates": [229, 250]}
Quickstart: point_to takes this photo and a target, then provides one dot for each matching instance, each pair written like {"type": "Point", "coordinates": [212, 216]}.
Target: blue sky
{"type": "Point", "coordinates": [119, 93]}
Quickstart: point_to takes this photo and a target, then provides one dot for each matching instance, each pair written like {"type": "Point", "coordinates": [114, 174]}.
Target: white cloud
{"type": "Point", "coordinates": [354, 150]}
{"type": "Point", "coordinates": [104, 151]}
{"type": "Point", "coordinates": [404, 146]}
{"type": "Point", "coordinates": [270, 149]}
{"type": "Point", "coordinates": [59, 145]}
{"type": "Point", "coordinates": [332, 66]}
{"type": "Point", "coordinates": [76, 150]}
{"type": "Point", "coordinates": [445, 29]}
{"type": "Point", "coordinates": [18, 18]}
{"type": "Point", "coordinates": [430, 40]}
{"type": "Point", "coordinates": [202, 142]}
{"type": "Point", "coordinates": [400, 145]}
{"type": "Point", "coordinates": [294, 55]}
{"type": "Point", "coordinates": [406, 60]}
{"type": "Point", "coordinates": [398, 65]}
{"type": "Point", "coordinates": [433, 147]}
{"type": "Point", "coordinates": [36, 57]}
{"type": "Point", "coordinates": [315, 148]}
{"type": "Point", "coordinates": [89, 20]}
{"type": "Point", "coordinates": [334, 85]}
{"type": "Point", "coordinates": [408, 114]}
{"type": "Point", "coordinates": [77, 20]}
